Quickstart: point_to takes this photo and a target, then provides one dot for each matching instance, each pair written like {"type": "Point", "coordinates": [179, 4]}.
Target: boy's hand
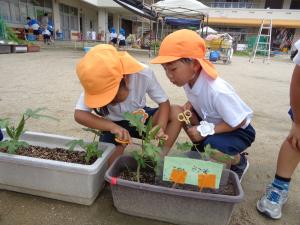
{"type": "Point", "coordinates": [121, 133]}
{"type": "Point", "coordinates": [294, 136]}
{"type": "Point", "coordinates": [194, 134]}
{"type": "Point", "coordinates": [161, 134]}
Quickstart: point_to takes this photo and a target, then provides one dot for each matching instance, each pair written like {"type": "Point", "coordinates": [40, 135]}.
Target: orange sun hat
{"type": "Point", "coordinates": [184, 44]}
{"type": "Point", "coordinates": [100, 72]}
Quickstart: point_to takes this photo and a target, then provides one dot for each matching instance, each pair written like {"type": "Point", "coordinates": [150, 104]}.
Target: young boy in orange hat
{"type": "Point", "coordinates": [115, 83]}
{"type": "Point", "coordinates": [219, 116]}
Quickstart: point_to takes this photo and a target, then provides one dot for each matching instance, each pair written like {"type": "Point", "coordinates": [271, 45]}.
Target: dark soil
{"type": "Point", "coordinates": [58, 154]}
{"type": "Point", "coordinates": [149, 177]}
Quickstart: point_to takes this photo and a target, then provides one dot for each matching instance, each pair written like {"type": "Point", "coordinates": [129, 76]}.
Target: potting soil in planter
{"type": "Point", "coordinates": [58, 154]}
{"type": "Point", "coordinates": [149, 177]}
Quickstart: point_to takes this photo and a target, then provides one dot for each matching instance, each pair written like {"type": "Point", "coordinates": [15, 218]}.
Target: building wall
{"type": "Point", "coordinates": [89, 15]}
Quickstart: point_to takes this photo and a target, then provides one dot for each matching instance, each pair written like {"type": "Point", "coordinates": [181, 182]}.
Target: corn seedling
{"type": "Point", "coordinates": [13, 144]}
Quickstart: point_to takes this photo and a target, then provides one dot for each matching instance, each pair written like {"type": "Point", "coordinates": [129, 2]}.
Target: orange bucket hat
{"type": "Point", "coordinates": [184, 44]}
{"type": "Point", "coordinates": [100, 72]}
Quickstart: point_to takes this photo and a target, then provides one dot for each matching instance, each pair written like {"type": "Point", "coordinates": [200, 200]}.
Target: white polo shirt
{"type": "Point", "coordinates": [215, 101]}
{"type": "Point", "coordinates": [297, 57]}
{"type": "Point", "coordinates": [140, 84]}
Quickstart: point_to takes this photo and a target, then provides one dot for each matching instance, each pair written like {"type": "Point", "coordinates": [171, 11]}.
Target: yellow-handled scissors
{"type": "Point", "coordinates": [185, 117]}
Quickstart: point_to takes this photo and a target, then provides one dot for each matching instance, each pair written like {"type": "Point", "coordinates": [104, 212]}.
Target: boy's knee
{"type": "Point", "coordinates": [175, 110]}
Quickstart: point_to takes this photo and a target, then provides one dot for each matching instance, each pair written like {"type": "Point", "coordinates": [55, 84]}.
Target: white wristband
{"type": "Point", "coordinates": [206, 128]}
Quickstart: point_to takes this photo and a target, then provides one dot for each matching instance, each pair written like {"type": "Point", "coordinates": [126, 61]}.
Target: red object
{"type": "Point", "coordinates": [113, 181]}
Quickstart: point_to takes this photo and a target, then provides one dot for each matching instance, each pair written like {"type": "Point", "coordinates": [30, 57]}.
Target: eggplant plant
{"type": "Point", "coordinates": [14, 132]}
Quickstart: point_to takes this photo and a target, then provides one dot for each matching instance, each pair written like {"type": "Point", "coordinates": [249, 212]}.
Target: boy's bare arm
{"type": "Point", "coordinates": [163, 114]}
{"type": "Point", "coordinates": [222, 127]}
{"type": "Point", "coordinates": [92, 121]}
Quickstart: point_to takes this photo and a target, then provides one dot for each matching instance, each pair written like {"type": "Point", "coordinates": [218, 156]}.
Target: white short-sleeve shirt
{"type": "Point", "coordinates": [215, 101]}
{"type": "Point", "coordinates": [140, 84]}
{"type": "Point", "coordinates": [297, 57]}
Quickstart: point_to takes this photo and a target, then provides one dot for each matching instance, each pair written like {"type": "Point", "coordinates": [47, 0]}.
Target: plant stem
{"type": "Point", "coordinates": [138, 172]}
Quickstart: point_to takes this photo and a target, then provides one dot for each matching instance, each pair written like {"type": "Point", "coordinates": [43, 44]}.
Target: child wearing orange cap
{"type": "Point", "coordinates": [219, 116]}
{"type": "Point", "coordinates": [115, 83]}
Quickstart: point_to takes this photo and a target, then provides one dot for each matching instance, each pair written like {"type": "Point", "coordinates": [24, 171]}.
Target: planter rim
{"type": "Point", "coordinates": [172, 191]}
{"type": "Point", "coordinates": [58, 165]}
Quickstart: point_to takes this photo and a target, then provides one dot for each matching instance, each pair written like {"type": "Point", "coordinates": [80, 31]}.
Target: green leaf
{"type": "Point", "coordinates": [13, 145]}
{"type": "Point", "coordinates": [149, 125]}
{"type": "Point", "coordinates": [20, 128]}
{"type": "Point", "coordinates": [185, 146]}
{"type": "Point", "coordinates": [91, 151]}
{"type": "Point", "coordinates": [36, 114]}
{"type": "Point", "coordinates": [10, 132]}
{"type": "Point", "coordinates": [135, 120]}
{"type": "Point", "coordinates": [135, 154]}
{"type": "Point", "coordinates": [72, 144]}
{"type": "Point", "coordinates": [152, 134]}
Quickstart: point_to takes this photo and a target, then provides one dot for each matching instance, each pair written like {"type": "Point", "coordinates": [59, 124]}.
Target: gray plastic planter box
{"type": "Point", "coordinates": [5, 49]}
{"type": "Point", "coordinates": [168, 204]}
{"type": "Point", "coordinates": [53, 179]}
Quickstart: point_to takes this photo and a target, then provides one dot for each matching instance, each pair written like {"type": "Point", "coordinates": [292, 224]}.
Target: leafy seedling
{"type": "Point", "coordinates": [92, 149]}
{"type": "Point", "coordinates": [13, 144]}
{"type": "Point", "coordinates": [149, 154]}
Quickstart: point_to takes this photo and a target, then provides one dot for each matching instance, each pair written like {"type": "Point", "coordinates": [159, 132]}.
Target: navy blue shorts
{"type": "Point", "coordinates": [110, 138]}
{"type": "Point", "coordinates": [1, 135]}
{"type": "Point", "coordinates": [231, 143]}
{"type": "Point", "coordinates": [291, 114]}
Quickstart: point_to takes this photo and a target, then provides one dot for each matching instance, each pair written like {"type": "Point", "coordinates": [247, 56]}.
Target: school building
{"type": "Point", "coordinates": [240, 18]}
{"type": "Point", "coordinates": [71, 17]}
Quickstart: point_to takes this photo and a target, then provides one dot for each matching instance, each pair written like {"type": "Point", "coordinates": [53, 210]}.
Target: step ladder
{"type": "Point", "coordinates": [263, 46]}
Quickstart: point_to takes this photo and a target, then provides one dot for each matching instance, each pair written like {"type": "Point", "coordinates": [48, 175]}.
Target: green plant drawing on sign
{"type": "Point", "coordinates": [208, 154]}
{"type": "Point", "coordinates": [92, 149]}
{"type": "Point", "coordinates": [14, 132]}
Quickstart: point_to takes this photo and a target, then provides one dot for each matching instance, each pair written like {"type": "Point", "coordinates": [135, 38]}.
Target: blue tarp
{"type": "Point", "coordinates": [182, 22]}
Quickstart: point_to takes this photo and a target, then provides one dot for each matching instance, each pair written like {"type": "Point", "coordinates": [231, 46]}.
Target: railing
{"type": "Point", "coordinates": [279, 14]}
{"type": "Point", "coordinates": [232, 5]}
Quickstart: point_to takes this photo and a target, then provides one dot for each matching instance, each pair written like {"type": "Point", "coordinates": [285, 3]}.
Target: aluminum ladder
{"type": "Point", "coordinates": [263, 46]}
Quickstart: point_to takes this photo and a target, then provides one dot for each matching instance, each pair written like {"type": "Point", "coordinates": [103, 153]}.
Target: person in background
{"type": "Point", "coordinates": [45, 21]}
{"type": "Point", "coordinates": [46, 34]}
{"type": "Point", "coordinates": [113, 37]}
{"type": "Point", "coordinates": [276, 194]}
{"type": "Point", "coordinates": [34, 25]}
{"type": "Point", "coordinates": [121, 39]}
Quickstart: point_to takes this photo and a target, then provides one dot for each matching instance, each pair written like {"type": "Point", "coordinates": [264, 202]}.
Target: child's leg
{"type": "Point", "coordinates": [276, 193]}
{"type": "Point", "coordinates": [287, 161]}
{"type": "Point", "coordinates": [110, 138]}
{"type": "Point", "coordinates": [119, 151]}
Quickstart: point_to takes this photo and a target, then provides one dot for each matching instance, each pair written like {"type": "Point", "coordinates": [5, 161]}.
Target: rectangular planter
{"type": "Point", "coordinates": [33, 48]}
{"type": "Point", "coordinates": [169, 204]}
{"type": "Point", "coordinates": [5, 49]}
{"type": "Point", "coordinates": [53, 179]}
{"type": "Point", "coordinates": [19, 48]}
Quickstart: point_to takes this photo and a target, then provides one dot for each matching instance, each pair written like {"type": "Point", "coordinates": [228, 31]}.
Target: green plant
{"type": "Point", "coordinates": [13, 144]}
{"type": "Point", "coordinates": [90, 148]}
{"type": "Point", "coordinates": [208, 154]}
{"type": "Point", "coordinates": [149, 154]}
